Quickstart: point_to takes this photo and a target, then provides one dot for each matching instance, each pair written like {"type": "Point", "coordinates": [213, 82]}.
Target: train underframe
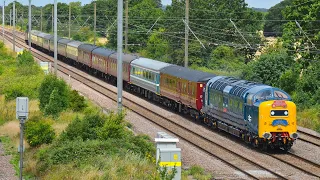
{"type": "Point", "coordinates": [278, 140]}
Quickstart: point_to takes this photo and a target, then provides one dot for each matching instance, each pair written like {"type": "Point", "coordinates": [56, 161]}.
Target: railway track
{"type": "Point", "coordinates": [246, 165]}
{"type": "Point", "coordinates": [309, 138]}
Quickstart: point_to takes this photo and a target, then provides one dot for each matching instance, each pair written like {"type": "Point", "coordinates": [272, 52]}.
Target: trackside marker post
{"type": "Point", "coordinates": [22, 113]}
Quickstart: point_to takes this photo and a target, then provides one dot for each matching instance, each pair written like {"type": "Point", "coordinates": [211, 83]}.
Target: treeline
{"type": "Point", "coordinates": [158, 32]}
{"type": "Point", "coordinates": [294, 63]}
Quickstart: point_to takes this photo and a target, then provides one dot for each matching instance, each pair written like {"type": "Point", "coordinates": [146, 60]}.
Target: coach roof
{"type": "Point", "coordinates": [75, 44]}
{"type": "Point", "coordinates": [48, 37]}
{"type": "Point", "coordinates": [150, 63]}
{"type": "Point", "coordinates": [125, 57]}
{"type": "Point", "coordinates": [64, 41]}
{"type": "Point", "coordinates": [87, 47]}
{"type": "Point", "coordinates": [43, 35]}
{"type": "Point", "coordinates": [104, 52]}
{"type": "Point", "coordinates": [186, 73]}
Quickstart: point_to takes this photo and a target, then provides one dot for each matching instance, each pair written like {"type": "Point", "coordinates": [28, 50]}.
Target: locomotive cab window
{"type": "Point", "coordinates": [280, 95]}
{"type": "Point", "coordinates": [263, 95]}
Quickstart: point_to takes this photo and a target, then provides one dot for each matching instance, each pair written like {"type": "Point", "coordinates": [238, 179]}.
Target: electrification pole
{"type": "Point", "coordinates": [4, 3]}
{"type": "Point", "coordinates": [41, 20]}
{"type": "Point", "coordinates": [14, 26]}
{"type": "Point", "coordinates": [119, 55]}
{"type": "Point", "coordinates": [186, 44]}
{"type": "Point", "coordinates": [95, 22]}
{"type": "Point", "coordinates": [69, 19]}
{"type": "Point", "coordinates": [52, 21]}
{"type": "Point", "coordinates": [29, 26]}
{"type": "Point", "coordinates": [10, 17]}
{"type": "Point", "coordinates": [55, 37]}
{"type": "Point", "coordinates": [127, 28]}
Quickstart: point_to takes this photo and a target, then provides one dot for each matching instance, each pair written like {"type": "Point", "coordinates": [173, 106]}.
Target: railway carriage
{"type": "Point", "coordinates": [100, 58]}
{"type": "Point", "coordinates": [145, 73]}
{"type": "Point", "coordinates": [40, 39]}
{"type": "Point", "coordinates": [51, 47]}
{"type": "Point", "coordinates": [62, 47]}
{"type": "Point", "coordinates": [46, 42]}
{"type": "Point", "coordinates": [85, 54]}
{"type": "Point", "coordinates": [183, 87]}
{"type": "Point", "coordinates": [72, 50]}
{"type": "Point", "coordinates": [34, 37]}
{"type": "Point", "coordinates": [257, 113]}
{"type": "Point", "coordinates": [126, 66]}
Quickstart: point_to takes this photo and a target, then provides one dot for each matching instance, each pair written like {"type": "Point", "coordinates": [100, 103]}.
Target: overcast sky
{"type": "Point", "coordinates": [252, 3]}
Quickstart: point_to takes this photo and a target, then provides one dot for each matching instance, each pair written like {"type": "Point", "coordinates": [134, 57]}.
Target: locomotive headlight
{"type": "Point", "coordinates": [294, 135]}
{"type": "Point", "coordinates": [266, 135]}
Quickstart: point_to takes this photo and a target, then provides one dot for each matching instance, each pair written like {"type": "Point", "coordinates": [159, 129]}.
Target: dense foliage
{"type": "Point", "coordinates": [76, 102]}
{"type": "Point", "coordinates": [92, 136]}
{"type": "Point", "coordinates": [39, 132]}
{"type": "Point", "coordinates": [20, 76]}
{"type": "Point", "coordinates": [53, 95]}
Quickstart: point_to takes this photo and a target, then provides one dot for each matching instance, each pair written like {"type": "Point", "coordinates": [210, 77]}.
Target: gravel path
{"type": "Point", "coordinates": [6, 169]}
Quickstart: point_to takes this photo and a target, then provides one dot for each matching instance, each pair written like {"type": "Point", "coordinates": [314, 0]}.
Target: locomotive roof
{"type": "Point", "coordinates": [87, 47]}
{"type": "Point", "coordinates": [150, 63]}
{"type": "Point", "coordinates": [104, 52]}
{"type": "Point", "coordinates": [64, 41]}
{"type": "Point", "coordinates": [236, 87]}
{"type": "Point", "coordinates": [75, 44]}
{"type": "Point", "coordinates": [125, 57]}
{"type": "Point", "coordinates": [188, 74]}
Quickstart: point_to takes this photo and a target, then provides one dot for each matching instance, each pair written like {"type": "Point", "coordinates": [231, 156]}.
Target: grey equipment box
{"type": "Point", "coordinates": [22, 109]}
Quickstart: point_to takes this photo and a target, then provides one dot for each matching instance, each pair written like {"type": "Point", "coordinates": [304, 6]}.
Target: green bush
{"type": "Point", "coordinates": [113, 127]}
{"type": "Point", "coordinates": [55, 105]}
{"type": "Point", "coordinates": [85, 129]}
{"type": "Point", "coordinates": [39, 132]}
{"type": "Point", "coordinates": [25, 59]}
{"type": "Point", "coordinates": [61, 96]}
{"type": "Point", "coordinates": [76, 102]}
{"type": "Point", "coordinates": [12, 94]}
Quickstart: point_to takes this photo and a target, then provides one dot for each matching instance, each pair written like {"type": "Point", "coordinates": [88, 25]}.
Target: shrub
{"type": "Point", "coordinates": [25, 59]}
{"type": "Point", "coordinates": [50, 83]}
{"type": "Point", "coordinates": [113, 127]}
{"type": "Point", "coordinates": [84, 129]}
{"type": "Point", "coordinates": [12, 94]}
{"type": "Point", "coordinates": [55, 105]}
{"type": "Point", "coordinates": [39, 132]}
{"type": "Point", "coordinates": [76, 102]}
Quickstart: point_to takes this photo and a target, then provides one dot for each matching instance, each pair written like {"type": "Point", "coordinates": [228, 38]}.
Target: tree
{"type": "Point", "coordinates": [307, 93]}
{"type": "Point", "coordinates": [225, 58]}
{"type": "Point", "coordinates": [294, 38]}
{"type": "Point", "coordinates": [268, 68]}
{"type": "Point", "coordinates": [84, 35]}
{"type": "Point", "coordinates": [59, 97]}
{"type": "Point", "coordinates": [157, 46]}
{"type": "Point", "coordinates": [274, 25]}
{"type": "Point", "coordinates": [142, 16]}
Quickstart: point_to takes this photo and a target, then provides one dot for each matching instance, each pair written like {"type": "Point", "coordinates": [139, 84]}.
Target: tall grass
{"type": "Point", "coordinates": [310, 118]}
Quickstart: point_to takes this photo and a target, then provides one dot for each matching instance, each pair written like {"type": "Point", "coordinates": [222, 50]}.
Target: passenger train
{"type": "Point", "coordinates": [259, 114]}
